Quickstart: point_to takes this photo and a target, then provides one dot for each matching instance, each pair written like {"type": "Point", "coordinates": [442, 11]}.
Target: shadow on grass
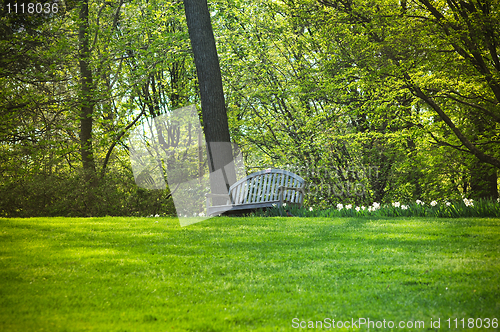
{"type": "Point", "coordinates": [265, 271]}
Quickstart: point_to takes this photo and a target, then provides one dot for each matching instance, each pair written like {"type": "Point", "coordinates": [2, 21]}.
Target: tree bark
{"type": "Point", "coordinates": [215, 123]}
{"type": "Point", "coordinates": [86, 81]}
{"type": "Point", "coordinates": [86, 109]}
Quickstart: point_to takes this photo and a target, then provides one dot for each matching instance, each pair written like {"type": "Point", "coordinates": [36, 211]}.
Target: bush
{"type": "Point", "coordinates": [56, 195]}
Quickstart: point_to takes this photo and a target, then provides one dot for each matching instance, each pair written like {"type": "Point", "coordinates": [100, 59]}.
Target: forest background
{"type": "Point", "coordinates": [369, 101]}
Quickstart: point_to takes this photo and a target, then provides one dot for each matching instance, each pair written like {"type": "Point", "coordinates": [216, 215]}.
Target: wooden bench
{"type": "Point", "coordinates": [262, 189]}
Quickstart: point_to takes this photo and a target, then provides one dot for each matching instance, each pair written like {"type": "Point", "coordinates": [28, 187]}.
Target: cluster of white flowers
{"type": "Point", "coordinates": [311, 208]}
{"type": "Point", "coordinates": [156, 216]}
{"type": "Point", "coordinates": [340, 206]}
{"type": "Point", "coordinates": [374, 207]}
{"type": "Point", "coordinates": [468, 202]}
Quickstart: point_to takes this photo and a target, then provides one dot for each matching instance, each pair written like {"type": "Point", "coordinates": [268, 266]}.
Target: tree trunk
{"type": "Point", "coordinates": [483, 181]}
{"type": "Point", "coordinates": [215, 124]}
{"type": "Point", "coordinates": [483, 176]}
{"type": "Point", "coordinates": [86, 101]}
{"type": "Point", "coordinates": [86, 110]}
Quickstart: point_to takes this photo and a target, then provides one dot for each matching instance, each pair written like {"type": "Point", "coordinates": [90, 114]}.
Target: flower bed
{"type": "Point", "coordinates": [446, 209]}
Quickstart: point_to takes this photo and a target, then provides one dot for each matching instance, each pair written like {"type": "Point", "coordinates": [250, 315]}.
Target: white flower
{"type": "Point", "coordinates": [419, 202]}
{"type": "Point", "coordinates": [404, 207]}
{"type": "Point", "coordinates": [498, 199]}
{"type": "Point", "coordinates": [274, 205]}
{"type": "Point", "coordinates": [357, 208]}
{"type": "Point", "coordinates": [370, 209]}
{"type": "Point", "coordinates": [376, 206]}
{"type": "Point", "coordinates": [396, 204]}
{"type": "Point", "coordinates": [434, 203]}
{"type": "Point", "coordinates": [340, 206]}
{"type": "Point", "coordinates": [348, 206]}
{"type": "Point", "coordinates": [156, 215]}
{"type": "Point", "coordinates": [448, 203]}
{"type": "Point", "coordinates": [468, 202]}
{"type": "Point", "coordinates": [201, 214]}
{"type": "Point", "coordinates": [311, 208]}
{"type": "Point", "coordinates": [284, 204]}
{"type": "Point", "coordinates": [363, 208]}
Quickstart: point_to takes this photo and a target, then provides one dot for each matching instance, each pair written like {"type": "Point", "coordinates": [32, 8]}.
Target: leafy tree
{"type": "Point", "coordinates": [444, 55]}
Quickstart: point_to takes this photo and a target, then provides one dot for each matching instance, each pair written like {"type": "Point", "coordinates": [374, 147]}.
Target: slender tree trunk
{"type": "Point", "coordinates": [86, 81]}
{"type": "Point", "coordinates": [86, 110]}
{"type": "Point", "coordinates": [215, 124]}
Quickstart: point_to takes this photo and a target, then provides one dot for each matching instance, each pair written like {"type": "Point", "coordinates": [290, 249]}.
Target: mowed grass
{"type": "Point", "coordinates": [240, 274]}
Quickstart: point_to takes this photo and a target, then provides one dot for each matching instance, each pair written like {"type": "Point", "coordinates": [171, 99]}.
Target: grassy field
{"type": "Point", "coordinates": [240, 274]}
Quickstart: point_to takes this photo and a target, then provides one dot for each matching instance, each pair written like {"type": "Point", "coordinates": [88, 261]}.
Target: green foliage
{"type": "Point", "coordinates": [333, 85]}
{"type": "Point", "coordinates": [60, 195]}
{"type": "Point", "coordinates": [140, 65]}
{"type": "Point", "coordinates": [343, 93]}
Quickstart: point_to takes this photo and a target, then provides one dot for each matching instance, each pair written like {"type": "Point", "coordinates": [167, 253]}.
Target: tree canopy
{"type": "Point", "coordinates": [367, 100]}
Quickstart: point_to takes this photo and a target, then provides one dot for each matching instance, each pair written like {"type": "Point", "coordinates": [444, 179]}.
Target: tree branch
{"type": "Point", "coordinates": [465, 141]}
{"type": "Point", "coordinates": [118, 138]}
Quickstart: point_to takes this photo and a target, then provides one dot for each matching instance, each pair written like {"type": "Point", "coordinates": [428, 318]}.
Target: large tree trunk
{"type": "Point", "coordinates": [215, 124]}
{"type": "Point", "coordinates": [483, 181]}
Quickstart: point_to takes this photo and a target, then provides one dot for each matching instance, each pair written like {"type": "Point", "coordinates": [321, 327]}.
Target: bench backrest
{"type": "Point", "coordinates": [263, 186]}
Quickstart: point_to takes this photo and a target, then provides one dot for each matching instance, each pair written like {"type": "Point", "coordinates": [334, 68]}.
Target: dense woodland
{"type": "Point", "coordinates": [369, 101]}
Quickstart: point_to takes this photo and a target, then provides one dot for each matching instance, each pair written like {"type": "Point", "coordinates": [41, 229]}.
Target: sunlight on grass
{"type": "Point", "coordinates": [225, 274]}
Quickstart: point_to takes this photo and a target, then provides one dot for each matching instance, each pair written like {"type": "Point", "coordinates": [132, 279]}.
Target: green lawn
{"type": "Point", "coordinates": [227, 274]}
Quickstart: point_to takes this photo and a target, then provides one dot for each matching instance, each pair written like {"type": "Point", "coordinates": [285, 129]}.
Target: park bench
{"type": "Point", "coordinates": [261, 189]}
